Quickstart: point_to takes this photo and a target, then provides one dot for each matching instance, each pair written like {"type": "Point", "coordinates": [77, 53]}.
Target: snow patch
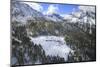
{"type": "Point", "coordinates": [53, 46]}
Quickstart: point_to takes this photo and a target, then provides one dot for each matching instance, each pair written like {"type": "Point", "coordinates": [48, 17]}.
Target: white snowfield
{"type": "Point", "coordinates": [53, 46]}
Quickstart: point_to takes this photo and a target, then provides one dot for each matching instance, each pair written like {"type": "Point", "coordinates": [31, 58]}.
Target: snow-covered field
{"type": "Point", "coordinates": [53, 45]}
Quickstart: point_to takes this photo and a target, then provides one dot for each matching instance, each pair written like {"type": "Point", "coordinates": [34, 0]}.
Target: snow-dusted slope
{"type": "Point", "coordinates": [54, 17]}
{"type": "Point", "coordinates": [53, 46]}
{"type": "Point", "coordinates": [84, 14]}
{"type": "Point", "coordinates": [22, 12]}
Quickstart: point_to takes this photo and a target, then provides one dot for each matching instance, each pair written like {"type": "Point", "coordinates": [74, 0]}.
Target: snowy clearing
{"type": "Point", "coordinates": [53, 46]}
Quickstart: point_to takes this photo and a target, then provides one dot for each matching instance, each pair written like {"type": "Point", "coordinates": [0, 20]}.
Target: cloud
{"type": "Point", "coordinates": [35, 6]}
{"type": "Point", "coordinates": [52, 9]}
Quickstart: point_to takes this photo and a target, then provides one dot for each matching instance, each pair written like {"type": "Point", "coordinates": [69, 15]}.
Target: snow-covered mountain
{"type": "Point", "coordinates": [22, 12]}
{"type": "Point", "coordinates": [54, 17]}
{"type": "Point", "coordinates": [84, 14]}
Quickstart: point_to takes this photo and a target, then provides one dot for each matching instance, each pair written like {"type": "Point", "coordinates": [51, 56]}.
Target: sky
{"type": "Point", "coordinates": [49, 8]}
